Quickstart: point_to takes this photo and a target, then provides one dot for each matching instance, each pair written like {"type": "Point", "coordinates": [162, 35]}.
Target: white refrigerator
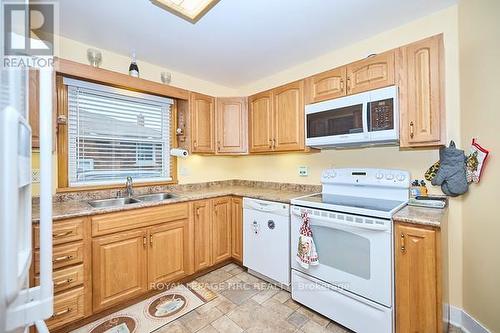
{"type": "Point", "coordinates": [20, 305]}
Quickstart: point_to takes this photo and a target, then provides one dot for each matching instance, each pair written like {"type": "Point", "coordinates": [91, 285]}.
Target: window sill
{"type": "Point", "coordinates": [113, 186]}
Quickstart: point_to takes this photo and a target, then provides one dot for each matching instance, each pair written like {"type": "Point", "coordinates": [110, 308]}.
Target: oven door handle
{"type": "Point", "coordinates": [335, 223]}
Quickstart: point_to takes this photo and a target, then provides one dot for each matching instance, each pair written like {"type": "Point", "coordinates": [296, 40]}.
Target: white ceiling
{"type": "Point", "coordinates": [237, 41]}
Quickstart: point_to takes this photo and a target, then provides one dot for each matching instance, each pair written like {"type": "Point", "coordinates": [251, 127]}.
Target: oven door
{"type": "Point", "coordinates": [355, 252]}
{"type": "Point", "coordinates": [337, 122]}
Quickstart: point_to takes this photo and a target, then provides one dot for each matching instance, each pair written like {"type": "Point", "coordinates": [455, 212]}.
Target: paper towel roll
{"type": "Point", "coordinates": [179, 152]}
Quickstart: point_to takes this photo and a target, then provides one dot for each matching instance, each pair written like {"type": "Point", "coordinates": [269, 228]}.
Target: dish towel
{"type": "Point", "coordinates": [306, 251]}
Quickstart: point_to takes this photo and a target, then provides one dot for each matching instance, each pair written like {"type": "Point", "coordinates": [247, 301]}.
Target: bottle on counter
{"type": "Point", "coordinates": [133, 69]}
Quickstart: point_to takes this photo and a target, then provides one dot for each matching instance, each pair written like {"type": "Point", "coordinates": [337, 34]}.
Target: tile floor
{"type": "Point", "coordinates": [248, 304]}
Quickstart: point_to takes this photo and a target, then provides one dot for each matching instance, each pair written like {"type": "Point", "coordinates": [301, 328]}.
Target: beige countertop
{"type": "Point", "coordinates": [75, 208]}
{"type": "Point", "coordinates": [76, 204]}
{"type": "Point", "coordinates": [432, 217]}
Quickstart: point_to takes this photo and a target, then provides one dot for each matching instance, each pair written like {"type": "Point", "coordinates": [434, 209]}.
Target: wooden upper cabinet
{"type": "Point", "coordinates": [422, 93]}
{"type": "Point", "coordinates": [327, 85]}
{"type": "Point", "coordinates": [232, 132]}
{"type": "Point", "coordinates": [168, 257]}
{"type": "Point", "coordinates": [417, 284]}
{"type": "Point", "coordinates": [119, 268]}
{"type": "Point", "coordinates": [221, 229]}
{"type": "Point", "coordinates": [202, 123]}
{"type": "Point", "coordinates": [260, 126]}
{"type": "Point", "coordinates": [202, 235]}
{"type": "Point", "coordinates": [237, 229]}
{"type": "Point", "coordinates": [288, 108]}
{"type": "Point", "coordinates": [371, 73]}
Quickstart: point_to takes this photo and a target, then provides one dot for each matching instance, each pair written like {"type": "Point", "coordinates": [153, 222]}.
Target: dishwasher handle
{"type": "Point", "coordinates": [267, 206]}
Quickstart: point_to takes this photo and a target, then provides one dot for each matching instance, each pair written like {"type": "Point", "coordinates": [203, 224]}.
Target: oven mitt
{"type": "Point", "coordinates": [452, 171]}
{"type": "Point", "coordinates": [306, 250]}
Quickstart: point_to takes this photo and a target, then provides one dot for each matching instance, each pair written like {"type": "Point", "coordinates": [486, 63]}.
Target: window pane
{"type": "Point", "coordinates": [113, 136]}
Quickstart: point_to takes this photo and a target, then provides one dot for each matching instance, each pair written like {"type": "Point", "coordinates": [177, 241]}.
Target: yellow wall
{"type": "Point", "coordinates": [479, 32]}
{"type": "Point", "coordinates": [283, 167]}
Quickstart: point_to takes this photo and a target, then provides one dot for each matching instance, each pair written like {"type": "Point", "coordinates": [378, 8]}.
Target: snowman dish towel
{"type": "Point", "coordinates": [306, 251]}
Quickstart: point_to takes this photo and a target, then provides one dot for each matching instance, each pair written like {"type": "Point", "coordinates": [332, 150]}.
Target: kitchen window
{"type": "Point", "coordinates": [115, 133]}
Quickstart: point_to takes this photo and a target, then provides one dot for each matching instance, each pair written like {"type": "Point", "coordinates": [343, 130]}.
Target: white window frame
{"type": "Point", "coordinates": [134, 96]}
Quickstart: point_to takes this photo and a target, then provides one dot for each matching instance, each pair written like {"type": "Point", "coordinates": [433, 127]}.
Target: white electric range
{"type": "Point", "coordinates": [352, 231]}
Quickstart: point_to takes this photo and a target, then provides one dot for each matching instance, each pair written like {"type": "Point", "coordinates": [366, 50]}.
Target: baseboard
{"type": "Point", "coordinates": [468, 324]}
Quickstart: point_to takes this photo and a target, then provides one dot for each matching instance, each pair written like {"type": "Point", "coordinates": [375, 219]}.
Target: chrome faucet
{"type": "Point", "coordinates": [129, 187]}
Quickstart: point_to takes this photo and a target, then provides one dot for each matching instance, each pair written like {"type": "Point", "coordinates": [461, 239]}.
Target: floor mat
{"type": "Point", "coordinates": [153, 313]}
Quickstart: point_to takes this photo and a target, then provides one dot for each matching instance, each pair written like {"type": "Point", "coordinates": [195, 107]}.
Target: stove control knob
{"type": "Point", "coordinates": [379, 175]}
{"type": "Point", "coordinates": [389, 176]}
{"type": "Point", "coordinates": [401, 177]}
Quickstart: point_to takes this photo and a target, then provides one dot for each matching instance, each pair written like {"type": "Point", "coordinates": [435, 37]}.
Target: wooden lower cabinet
{"type": "Point", "coordinates": [168, 258]}
{"type": "Point", "coordinates": [202, 218]}
{"type": "Point", "coordinates": [119, 268]}
{"type": "Point", "coordinates": [237, 229]}
{"type": "Point", "coordinates": [68, 307]}
{"type": "Point", "coordinates": [418, 279]}
{"type": "Point", "coordinates": [221, 229]}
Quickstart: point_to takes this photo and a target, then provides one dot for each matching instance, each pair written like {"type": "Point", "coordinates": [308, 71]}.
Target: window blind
{"type": "Point", "coordinates": [114, 133]}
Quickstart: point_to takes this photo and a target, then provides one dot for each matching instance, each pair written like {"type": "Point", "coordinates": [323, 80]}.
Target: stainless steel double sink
{"type": "Point", "coordinates": [118, 202]}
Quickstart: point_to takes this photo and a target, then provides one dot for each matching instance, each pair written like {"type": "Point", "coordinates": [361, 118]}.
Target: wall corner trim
{"type": "Point", "coordinates": [463, 320]}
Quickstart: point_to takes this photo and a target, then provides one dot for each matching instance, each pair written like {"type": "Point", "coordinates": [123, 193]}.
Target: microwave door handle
{"type": "Point", "coordinates": [366, 110]}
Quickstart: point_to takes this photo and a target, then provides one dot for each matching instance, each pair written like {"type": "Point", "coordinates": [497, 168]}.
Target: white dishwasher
{"type": "Point", "coordinates": [266, 240]}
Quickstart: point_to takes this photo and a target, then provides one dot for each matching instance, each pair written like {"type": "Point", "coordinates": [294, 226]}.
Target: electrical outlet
{"type": "Point", "coordinates": [35, 175]}
{"type": "Point", "coordinates": [303, 171]}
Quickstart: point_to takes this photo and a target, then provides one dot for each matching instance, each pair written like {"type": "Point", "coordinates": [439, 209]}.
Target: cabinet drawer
{"type": "Point", "coordinates": [68, 307]}
{"type": "Point", "coordinates": [62, 256]}
{"type": "Point", "coordinates": [62, 231]}
{"type": "Point", "coordinates": [138, 218]}
{"type": "Point", "coordinates": [65, 278]}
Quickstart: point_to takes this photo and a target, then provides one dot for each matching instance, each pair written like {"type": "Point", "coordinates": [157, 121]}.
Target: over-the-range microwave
{"type": "Point", "coordinates": [367, 118]}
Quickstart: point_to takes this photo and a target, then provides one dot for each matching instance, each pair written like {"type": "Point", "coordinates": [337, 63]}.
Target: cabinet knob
{"type": "Point", "coordinates": [412, 130]}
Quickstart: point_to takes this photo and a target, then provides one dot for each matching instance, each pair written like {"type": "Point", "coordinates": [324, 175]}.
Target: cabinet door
{"type": "Point", "coordinates": [326, 85]}
{"type": "Point", "coordinates": [416, 280]}
{"type": "Point", "coordinates": [237, 229]}
{"type": "Point", "coordinates": [289, 117]}
{"type": "Point", "coordinates": [202, 123]}
{"type": "Point", "coordinates": [260, 126]}
{"type": "Point", "coordinates": [371, 73]}
{"type": "Point", "coordinates": [119, 268]}
{"type": "Point", "coordinates": [221, 229]}
{"type": "Point", "coordinates": [168, 257]}
{"type": "Point", "coordinates": [202, 235]}
{"type": "Point", "coordinates": [422, 93]}
{"type": "Point", "coordinates": [232, 129]}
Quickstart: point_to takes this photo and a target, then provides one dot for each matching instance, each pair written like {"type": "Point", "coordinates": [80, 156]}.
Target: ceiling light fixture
{"type": "Point", "coordinates": [190, 10]}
